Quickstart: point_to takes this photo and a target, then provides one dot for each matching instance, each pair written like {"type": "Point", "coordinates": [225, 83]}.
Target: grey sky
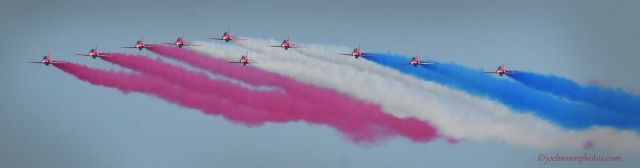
{"type": "Point", "coordinates": [50, 119]}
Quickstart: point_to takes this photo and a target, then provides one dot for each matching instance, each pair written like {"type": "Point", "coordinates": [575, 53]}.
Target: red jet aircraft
{"type": "Point", "coordinates": [286, 44]}
{"type": "Point", "coordinates": [140, 44]}
{"type": "Point", "coordinates": [46, 60]}
{"type": "Point", "coordinates": [93, 53]}
{"type": "Point", "coordinates": [356, 53]}
{"type": "Point", "coordinates": [226, 36]}
{"type": "Point", "coordinates": [244, 60]}
{"type": "Point", "coordinates": [181, 42]}
{"type": "Point", "coordinates": [502, 71]}
{"type": "Point", "coordinates": [415, 61]}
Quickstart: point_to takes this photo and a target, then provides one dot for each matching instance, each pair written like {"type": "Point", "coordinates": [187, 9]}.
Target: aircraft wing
{"type": "Point", "coordinates": [83, 54]}
{"type": "Point", "coordinates": [277, 46]}
{"type": "Point", "coordinates": [235, 38]}
{"type": "Point", "coordinates": [128, 47]}
{"type": "Point", "coordinates": [101, 55]}
{"type": "Point", "coordinates": [191, 44]}
{"type": "Point", "coordinates": [52, 62]}
{"type": "Point", "coordinates": [426, 63]}
{"type": "Point", "coordinates": [215, 38]}
{"type": "Point", "coordinates": [236, 62]}
{"type": "Point", "coordinates": [347, 54]}
{"type": "Point", "coordinates": [168, 44]}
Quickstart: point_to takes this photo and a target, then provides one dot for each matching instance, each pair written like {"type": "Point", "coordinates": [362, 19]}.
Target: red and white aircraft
{"type": "Point", "coordinates": [502, 71]}
{"type": "Point", "coordinates": [93, 53]}
{"type": "Point", "coordinates": [286, 44]}
{"type": "Point", "coordinates": [181, 42]}
{"type": "Point", "coordinates": [415, 61]}
{"type": "Point", "coordinates": [244, 60]}
{"type": "Point", "coordinates": [140, 44]}
{"type": "Point", "coordinates": [356, 53]}
{"type": "Point", "coordinates": [226, 36]}
{"type": "Point", "coordinates": [46, 60]}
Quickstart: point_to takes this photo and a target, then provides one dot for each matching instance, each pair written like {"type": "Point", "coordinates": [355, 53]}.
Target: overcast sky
{"type": "Point", "coordinates": [50, 119]}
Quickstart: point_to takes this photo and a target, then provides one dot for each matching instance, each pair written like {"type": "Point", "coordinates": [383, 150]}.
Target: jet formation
{"type": "Point", "coordinates": [244, 59]}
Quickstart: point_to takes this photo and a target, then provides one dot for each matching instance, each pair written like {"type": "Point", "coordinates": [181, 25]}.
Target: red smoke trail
{"type": "Point", "coordinates": [128, 82]}
{"type": "Point", "coordinates": [201, 83]}
{"type": "Point", "coordinates": [276, 107]}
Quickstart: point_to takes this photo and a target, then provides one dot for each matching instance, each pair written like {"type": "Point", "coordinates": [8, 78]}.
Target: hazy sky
{"type": "Point", "coordinates": [50, 119]}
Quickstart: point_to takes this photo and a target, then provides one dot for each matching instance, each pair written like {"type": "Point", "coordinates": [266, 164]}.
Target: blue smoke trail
{"type": "Point", "coordinates": [617, 100]}
{"type": "Point", "coordinates": [568, 114]}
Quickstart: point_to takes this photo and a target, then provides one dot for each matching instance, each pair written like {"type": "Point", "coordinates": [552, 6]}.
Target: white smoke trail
{"type": "Point", "coordinates": [454, 113]}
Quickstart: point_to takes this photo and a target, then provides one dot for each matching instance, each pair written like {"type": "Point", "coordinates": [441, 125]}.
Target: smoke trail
{"type": "Point", "coordinates": [560, 111]}
{"type": "Point", "coordinates": [201, 83]}
{"type": "Point", "coordinates": [617, 100]}
{"type": "Point", "coordinates": [249, 75]}
{"type": "Point", "coordinates": [454, 113]}
{"type": "Point", "coordinates": [366, 121]}
{"type": "Point", "coordinates": [131, 82]}
{"type": "Point", "coordinates": [258, 77]}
